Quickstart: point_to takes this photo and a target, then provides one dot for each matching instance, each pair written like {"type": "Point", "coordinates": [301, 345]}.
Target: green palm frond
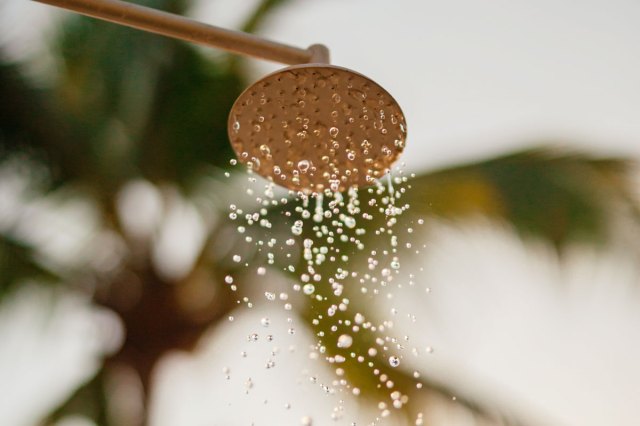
{"type": "Point", "coordinates": [186, 131]}
{"type": "Point", "coordinates": [138, 104]}
{"type": "Point", "coordinates": [542, 192]}
{"type": "Point", "coordinates": [260, 14]}
{"type": "Point", "coordinates": [18, 264]}
{"type": "Point", "coordinates": [360, 374]}
{"type": "Point", "coordinates": [252, 24]}
{"type": "Point", "coordinates": [29, 125]}
{"type": "Point", "coordinates": [90, 400]}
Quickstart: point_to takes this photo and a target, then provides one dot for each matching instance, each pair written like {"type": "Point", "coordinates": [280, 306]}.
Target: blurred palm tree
{"type": "Point", "coordinates": [125, 111]}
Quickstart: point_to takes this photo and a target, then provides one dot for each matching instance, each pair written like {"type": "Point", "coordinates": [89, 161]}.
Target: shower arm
{"type": "Point", "coordinates": [179, 27]}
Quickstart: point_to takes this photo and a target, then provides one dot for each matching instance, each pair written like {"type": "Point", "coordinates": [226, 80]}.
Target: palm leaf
{"type": "Point", "coordinates": [29, 124]}
{"type": "Point", "coordinates": [542, 192]}
{"type": "Point", "coordinates": [186, 131]}
{"type": "Point", "coordinates": [361, 376]}
{"type": "Point", "coordinates": [89, 400]}
{"type": "Point", "coordinates": [18, 264]}
{"type": "Point", "coordinates": [257, 18]}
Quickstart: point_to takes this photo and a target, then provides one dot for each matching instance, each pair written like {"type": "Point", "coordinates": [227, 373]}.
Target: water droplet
{"type": "Point", "coordinates": [296, 230]}
{"type": "Point", "coordinates": [349, 222]}
{"type": "Point", "coordinates": [303, 165]}
{"type": "Point", "coordinates": [308, 288]}
{"type": "Point", "coordinates": [357, 94]}
{"type": "Point", "coordinates": [394, 361]}
{"type": "Point", "coordinates": [334, 132]}
{"type": "Point", "coordinates": [265, 150]}
{"type": "Point", "coordinates": [345, 341]}
{"type": "Point", "coordinates": [265, 322]}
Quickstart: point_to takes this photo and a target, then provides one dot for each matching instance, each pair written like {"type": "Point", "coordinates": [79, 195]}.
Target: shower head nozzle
{"type": "Point", "coordinates": [314, 127]}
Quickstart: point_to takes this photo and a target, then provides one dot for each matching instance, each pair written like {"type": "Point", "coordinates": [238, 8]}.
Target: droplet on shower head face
{"type": "Point", "coordinates": [313, 127]}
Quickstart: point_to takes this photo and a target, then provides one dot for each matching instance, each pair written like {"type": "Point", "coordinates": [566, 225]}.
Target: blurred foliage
{"type": "Point", "coordinates": [89, 401]}
{"type": "Point", "coordinates": [126, 105]}
{"type": "Point", "coordinates": [543, 192]}
{"type": "Point", "coordinates": [17, 264]}
{"type": "Point", "coordinates": [141, 105]}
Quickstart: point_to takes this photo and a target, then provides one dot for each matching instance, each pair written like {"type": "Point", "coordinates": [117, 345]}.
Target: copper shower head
{"type": "Point", "coordinates": [309, 127]}
{"type": "Point", "coordinates": [315, 127]}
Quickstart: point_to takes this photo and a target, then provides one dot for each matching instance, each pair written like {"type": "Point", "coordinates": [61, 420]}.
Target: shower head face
{"type": "Point", "coordinates": [315, 127]}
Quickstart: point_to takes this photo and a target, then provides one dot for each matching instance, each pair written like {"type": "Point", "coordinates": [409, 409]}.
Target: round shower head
{"type": "Point", "coordinates": [313, 127]}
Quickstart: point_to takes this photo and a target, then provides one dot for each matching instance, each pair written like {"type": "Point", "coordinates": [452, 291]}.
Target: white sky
{"type": "Point", "coordinates": [478, 78]}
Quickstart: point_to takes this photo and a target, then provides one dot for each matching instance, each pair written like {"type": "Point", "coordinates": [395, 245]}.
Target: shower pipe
{"type": "Point", "coordinates": [179, 27]}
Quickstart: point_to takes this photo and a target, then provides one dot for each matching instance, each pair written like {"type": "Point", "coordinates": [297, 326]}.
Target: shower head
{"type": "Point", "coordinates": [313, 127]}
{"type": "Point", "coordinates": [309, 127]}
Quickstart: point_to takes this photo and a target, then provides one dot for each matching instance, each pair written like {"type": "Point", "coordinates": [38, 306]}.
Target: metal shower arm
{"type": "Point", "coordinates": [175, 26]}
